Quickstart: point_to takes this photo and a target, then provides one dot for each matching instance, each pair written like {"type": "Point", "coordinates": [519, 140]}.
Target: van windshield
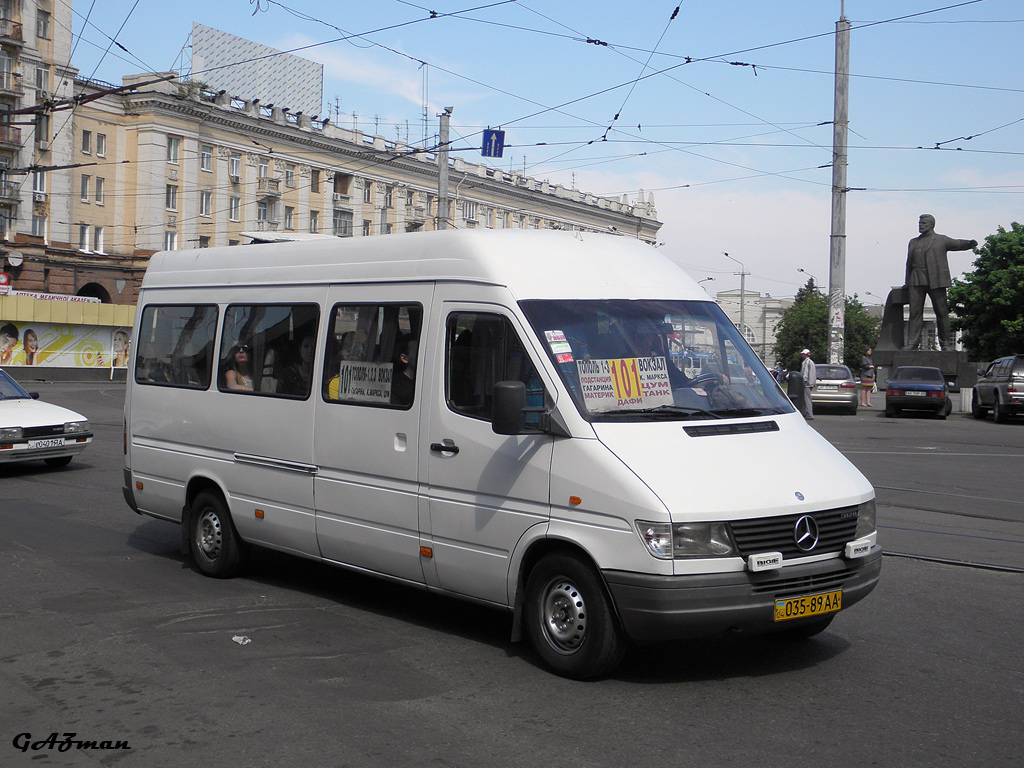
{"type": "Point", "coordinates": [632, 360]}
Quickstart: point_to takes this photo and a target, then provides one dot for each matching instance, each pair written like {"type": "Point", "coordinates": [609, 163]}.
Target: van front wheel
{"type": "Point", "coordinates": [569, 619]}
{"type": "Point", "coordinates": [215, 545]}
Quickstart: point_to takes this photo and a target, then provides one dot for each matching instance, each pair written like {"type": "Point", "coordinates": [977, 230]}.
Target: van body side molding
{"type": "Point", "coordinates": [282, 464]}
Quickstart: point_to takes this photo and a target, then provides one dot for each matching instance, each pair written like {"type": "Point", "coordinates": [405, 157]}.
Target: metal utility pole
{"type": "Point", "coordinates": [743, 294]}
{"type": "Point", "coordinates": [442, 170]}
{"type": "Point", "coordinates": [837, 249]}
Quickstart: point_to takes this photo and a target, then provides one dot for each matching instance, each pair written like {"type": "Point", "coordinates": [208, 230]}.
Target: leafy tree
{"type": "Point", "coordinates": [805, 324]}
{"type": "Point", "coordinates": [988, 305]}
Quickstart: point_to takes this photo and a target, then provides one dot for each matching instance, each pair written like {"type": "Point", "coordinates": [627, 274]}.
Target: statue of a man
{"type": "Point", "coordinates": [928, 273]}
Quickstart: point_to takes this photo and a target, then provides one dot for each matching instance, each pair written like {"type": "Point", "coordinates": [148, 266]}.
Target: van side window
{"type": "Point", "coordinates": [372, 354]}
{"type": "Point", "coordinates": [482, 349]}
{"type": "Point", "coordinates": [268, 349]}
{"type": "Point", "coordinates": [175, 346]}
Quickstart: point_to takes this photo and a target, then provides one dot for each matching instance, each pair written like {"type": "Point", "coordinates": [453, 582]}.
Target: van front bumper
{"type": "Point", "coordinates": [659, 608]}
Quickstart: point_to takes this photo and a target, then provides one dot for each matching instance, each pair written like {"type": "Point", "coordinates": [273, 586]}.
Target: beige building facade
{"type": "Point", "coordinates": [161, 164]}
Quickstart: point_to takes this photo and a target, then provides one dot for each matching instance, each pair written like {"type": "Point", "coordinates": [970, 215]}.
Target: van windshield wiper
{"type": "Point", "coordinates": [672, 411]}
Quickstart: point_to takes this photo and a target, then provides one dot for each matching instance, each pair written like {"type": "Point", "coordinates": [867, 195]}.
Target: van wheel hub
{"type": "Point", "coordinates": [564, 616]}
{"type": "Point", "coordinates": [211, 535]}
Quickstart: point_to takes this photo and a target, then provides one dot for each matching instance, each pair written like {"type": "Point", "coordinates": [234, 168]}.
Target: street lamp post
{"type": "Point", "coordinates": [801, 269]}
{"type": "Point", "coordinates": [743, 291]}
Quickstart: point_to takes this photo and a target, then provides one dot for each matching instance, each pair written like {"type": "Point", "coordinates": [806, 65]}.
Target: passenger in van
{"type": "Point", "coordinates": [239, 369]}
{"type": "Point", "coordinates": [345, 347]}
{"type": "Point", "coordinates": [295, 378]}
{"type": "Point", "coordinates": [403, 378]}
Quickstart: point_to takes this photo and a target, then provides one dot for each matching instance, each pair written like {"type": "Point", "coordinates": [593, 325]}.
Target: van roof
{"type": "Point", "coordinates": [532, 264]}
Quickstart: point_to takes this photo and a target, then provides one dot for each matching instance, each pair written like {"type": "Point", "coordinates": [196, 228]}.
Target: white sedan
{"type": "Point", "coordinates": [30, 429]}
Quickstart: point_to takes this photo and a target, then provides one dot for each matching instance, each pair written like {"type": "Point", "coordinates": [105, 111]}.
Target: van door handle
{"type": "Point", "coordinates": [445, 446]}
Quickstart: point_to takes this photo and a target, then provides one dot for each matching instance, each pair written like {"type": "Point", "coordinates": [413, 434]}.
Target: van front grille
{"type": "Point", "coordinates": [835, 527]}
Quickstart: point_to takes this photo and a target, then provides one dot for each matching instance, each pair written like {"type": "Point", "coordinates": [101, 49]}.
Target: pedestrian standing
{"type": "Point", "coordinates": [867, 378]}
{"type": "Point", "coordinates": [809, 374]}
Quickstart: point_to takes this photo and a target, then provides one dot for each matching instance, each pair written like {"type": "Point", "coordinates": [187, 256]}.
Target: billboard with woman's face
{"type": "Point", "coordinates": [63, 346]}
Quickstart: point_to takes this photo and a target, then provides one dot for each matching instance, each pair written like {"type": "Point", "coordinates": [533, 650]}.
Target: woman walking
{"type": "Point", "coordinates": [867, 378]}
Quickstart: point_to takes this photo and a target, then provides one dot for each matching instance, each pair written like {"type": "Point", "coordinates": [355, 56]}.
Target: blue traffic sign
{"type": "Point", "coordinates": [494, 143]}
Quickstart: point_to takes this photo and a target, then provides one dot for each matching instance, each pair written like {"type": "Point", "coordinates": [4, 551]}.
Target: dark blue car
{"type": "Point", "coordinates": [917, 388]}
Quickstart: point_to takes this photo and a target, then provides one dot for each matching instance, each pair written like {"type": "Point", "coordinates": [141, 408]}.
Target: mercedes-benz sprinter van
{"type": "Point", "coordinates": [560, 425]}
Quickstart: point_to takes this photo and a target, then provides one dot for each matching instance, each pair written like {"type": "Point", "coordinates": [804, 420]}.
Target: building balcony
{"type": "Point", "coordinates": [10, 137]}
{"type": "Point", "coordinates": [10, 32]}
{"type": "Point", "coordinates": [10, 193]}
{"type": "Point", "coordinates": [265, 225]}
{"type": "Point", "coordinates": [10, 84]}
{"type": "Point", "coordinates": [267, 187]}
{"type": "Point", "coordinates": [342, 201]}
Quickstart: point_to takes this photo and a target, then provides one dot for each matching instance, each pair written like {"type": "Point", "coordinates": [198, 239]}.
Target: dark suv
{"type": "Point", "coordinates": [1000, 389]}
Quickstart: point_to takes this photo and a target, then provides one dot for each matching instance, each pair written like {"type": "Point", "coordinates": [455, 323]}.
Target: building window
{"type": "Point", "coordinates": [235, 164]}
{"type": "Point", "coordinates": [264, 168]}
{"type": "Point", "coordinates": [289, 217]}
{"type": "Point", "coordinates": [234, 203]}
{"type": "Point", "coordinates": [83, 237]}
{"type": "Point", "coordinates": [38, 226]}
{"type": "Point", "coordinates": [409, 196]}
{"type": "Point", "coordinates": [314, 180]}
{"type": "Point", "coordinates": [385, 228]}
{"type": "Point", "coordinates": [342, 223]}
{"type": "Point", "coordinates": [468, 210]}
{"type": "Point", "coordinates": [343, 183]}
{"type": "Point", "coordinates": [85, 188]}
{"type": "Point", "coordinates": [367, 226]}
{"type": "Point", "coordinates": [101, 145]}
{"type": "Point", "coordinates": [367, 191]}
{"type": "Point", "coordinates": [43, 24]}
{"type": "Point", "coordinates": [171, 201]}
{"type": "Point", "coordinates": [261, 210]}
{"type": "Point", "coordinates": [42, 77]}
{"type": "Point", "coordinates": [173, 149]}
{"type": "Point", "coordinates": [99, 190]}
{"type": "Point", "coordinates": [206, 158]}
{"type": "Point", "coordinates": [170, 241]}
{"type": "Point", "coordinates": [389, 194]}
{"type": "Point", "coordinates": [205, 202]}
{"type": "Point", "coordinates": [314, 222]}
{"type": "Point", "coordinates": [42, 128]}
{"type": "Point", "coordinates": [97, 239]}
{"type": "Point", "coordinates": [289, 175]}
{"type": "Point", "coordinates": [86, 142]}
{"type": "Point", "coordinates": [38, 181]}
{"type": "Point", "coordinates": [204, 241]}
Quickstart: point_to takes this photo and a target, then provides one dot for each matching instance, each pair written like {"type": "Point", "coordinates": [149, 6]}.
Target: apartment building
{"type": "Point", "coordinates": [167, 164]}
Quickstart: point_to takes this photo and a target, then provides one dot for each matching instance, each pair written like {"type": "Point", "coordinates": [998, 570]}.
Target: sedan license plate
{"type": "Point", "coordinates": [913, 393]}
{"type": "Point", "coordinates": [49, 442]}
{"type": "Point", "coordinates": [827, 388]}
{"type": "Point", "coordinates": [812, 605]}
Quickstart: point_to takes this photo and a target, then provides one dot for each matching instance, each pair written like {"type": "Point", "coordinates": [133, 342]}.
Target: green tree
{"type": "Point", "coordinates": [805, 324]}
{"type": "Point", "coordinates": [988, 304]}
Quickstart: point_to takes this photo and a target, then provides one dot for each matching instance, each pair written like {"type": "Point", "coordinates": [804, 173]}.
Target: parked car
{"type": "Point", "coordinates": [835, 385]}
{"type": "Point", "coordinates": [917, 388]}
{"type": "Point", "coordinates": [31, 429]}
{"type": "Point", "coordinates": [1000, 389]}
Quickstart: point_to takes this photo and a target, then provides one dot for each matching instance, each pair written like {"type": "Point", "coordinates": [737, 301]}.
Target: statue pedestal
{"type": "Point", "coordinates": [953, 364]}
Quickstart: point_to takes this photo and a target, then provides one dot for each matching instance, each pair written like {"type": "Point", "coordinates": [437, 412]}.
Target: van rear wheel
{"type": "Point", "coordinates": [569, 619]}
{"type": "Point", "coordinates": [213, 540]}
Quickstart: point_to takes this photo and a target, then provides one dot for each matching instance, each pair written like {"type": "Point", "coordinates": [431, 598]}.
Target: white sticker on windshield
{"type": "Point", "coordinates": [559, 346]}
{"type": "Point", "coordinates": [631, 383]}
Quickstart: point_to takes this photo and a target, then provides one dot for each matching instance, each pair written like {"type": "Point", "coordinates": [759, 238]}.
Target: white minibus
{"type": "Point", "coordinates": [499, 416]}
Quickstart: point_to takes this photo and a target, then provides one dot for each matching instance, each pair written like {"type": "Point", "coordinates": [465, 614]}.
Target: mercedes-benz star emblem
{"type": "Point", "coordinates": [805, 533]}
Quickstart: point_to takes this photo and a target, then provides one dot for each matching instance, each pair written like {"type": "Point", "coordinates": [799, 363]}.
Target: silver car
{"type": "Point", "coordinates": [835, 386]}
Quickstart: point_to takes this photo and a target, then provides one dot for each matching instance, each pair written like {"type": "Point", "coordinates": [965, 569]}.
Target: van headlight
{"type": "Point", "coordinates": [668, 541]}
{"type": "Point", "coordinates": [76, 427]}
{"type": "Point", "coordinates": [865, 519]}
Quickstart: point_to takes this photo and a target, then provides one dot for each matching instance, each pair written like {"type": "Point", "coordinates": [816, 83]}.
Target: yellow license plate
{"type": "Point", "coordinates": [805, 607]}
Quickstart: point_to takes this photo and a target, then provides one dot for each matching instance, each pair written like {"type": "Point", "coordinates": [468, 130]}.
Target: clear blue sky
{"type": "Point", "coordinates": [723, 110]}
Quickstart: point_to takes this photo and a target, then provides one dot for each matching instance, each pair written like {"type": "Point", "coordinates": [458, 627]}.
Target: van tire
{"type": "Point", "coordinates": [569, 619]}
{"type": "Point", "coordinates": [212, 538]}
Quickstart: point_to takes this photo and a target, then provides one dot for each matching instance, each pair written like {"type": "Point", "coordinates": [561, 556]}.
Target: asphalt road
{"type": "Point", "coordinates": [109, 633]}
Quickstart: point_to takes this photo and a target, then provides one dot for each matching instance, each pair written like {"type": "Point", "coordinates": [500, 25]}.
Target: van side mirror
{"type": "Point", "coordinates": [507, 404]}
